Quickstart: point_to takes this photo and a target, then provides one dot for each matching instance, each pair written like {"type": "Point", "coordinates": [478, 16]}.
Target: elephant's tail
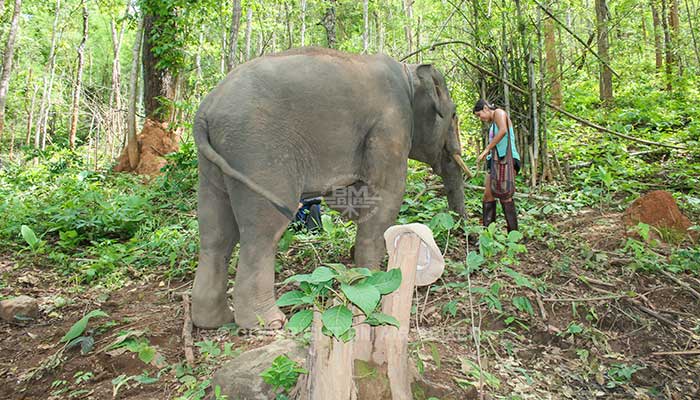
{"type": "Point", "coordinates": [201, 138]}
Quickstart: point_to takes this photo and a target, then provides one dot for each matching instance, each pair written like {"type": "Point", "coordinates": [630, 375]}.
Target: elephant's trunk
{"type": "Point", "coordinates": [451, 173]}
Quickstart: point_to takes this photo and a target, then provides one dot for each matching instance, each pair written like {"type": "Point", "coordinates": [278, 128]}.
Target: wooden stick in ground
{"type": "Point", "coordinates": [187, 330]}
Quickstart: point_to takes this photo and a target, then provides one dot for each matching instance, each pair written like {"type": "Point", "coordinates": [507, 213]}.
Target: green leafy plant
{"type": "Point", "coordinates": [330, 290]}
{"type": "Point", "coordinates": [75, 336]}
{"type": "Point", "coordinates": [282, 375]}
{"type": "Point", "coordinates": [35, 244]}
{"type": "Point", "coordinates": [620, 374]}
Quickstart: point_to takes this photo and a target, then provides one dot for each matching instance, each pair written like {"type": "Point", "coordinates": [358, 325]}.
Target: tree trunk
{"type": "Point", "coordinates": [408, 11]}
{"type": "Point", "coordinates": [675, 23]}
{"type": "Point", "coordinates": [233, 35]}
{"type": "Point", "coordinates": [30, 109]}
{"type": "Point", "coordinates": [78, 80]}
{"type": "Point", "coordinates": [552, 61]}
{"type": "Point", "coordinates": [303, 23]}
{"type": "Point", "coordinates": [365, 32]}
{"type": "Point", "coordinates": [668, 46]}
{"type": "Point", "coordinates": [132, 147]}
{"type": "Point", "coordinates": [658, 48]}
{"type": "Point", "coordinates": [328, 23]}
{"type": "Point", "coordinates": [248, 32]}
{"type": "Point", "coordinates": [605, 82]}
{"type": "Point", "coordinates": [7, 63]}
{"type": "Point", "coordinates": [40, 138]}
{"type": "Point", "coordinates": [115, 98]}
{"type": "Point", "coordinates": [157, 82]}
{"type": "Point", "coordinates": [692, 33]}
{"type": "Point", "coordinates": [290, 29]}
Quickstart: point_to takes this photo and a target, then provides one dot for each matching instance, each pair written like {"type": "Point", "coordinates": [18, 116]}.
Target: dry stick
{"type": "Point", "coordinates": [648, 311]}
{"type": "Point", "coordinates": [576, 37]}
{"type": "Point", "coordinates": [683, 284]}
{"type": "Point", "coordinates": [582, 299]}
{"type": "Point", "coordinates": [677, 353]}
{"type": "Point", "coordinates": [541, 305]}
{"type": "Point", "coordinates": [187, 330]}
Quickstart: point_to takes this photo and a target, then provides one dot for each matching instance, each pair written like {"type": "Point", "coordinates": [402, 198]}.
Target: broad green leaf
{"type": "Point", "coordinates": [337, 267]}
{"type": "Point", "coordinates": [322, 274]}
{"type": "Point", "coordinates": [298, 278]}
{"type": "Point", "coordinates": [381, 319]}
{"type": "Point", "coordinates": [385, 281]}
{"type": "Point", "coordinates": [474, 260]}
{"type": "Point", "coordinates": [79, 327]}
{"type": "Point", "coordinates": [337, 320]}
{"type": "Point", "coordinates": [514, 236]}
{"type": "Point", "coordinates": [520, 279]}
{"type": "Point", "coordinates": [293, 298]}
{"type": "Point", "coordinates": [523, 304]}
{"type": "Point", "coordinates": [29, 236]}
{"type": "Point", "coordinates": [363, 294]}
{"type": "Point", "coordinates": [146, 354]}
{"type": "Point", "coordinates": [300, 321]}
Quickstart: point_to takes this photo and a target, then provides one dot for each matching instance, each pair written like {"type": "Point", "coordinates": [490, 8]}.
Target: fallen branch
{"type": "Point", "coordinates": [187, 330]}
{"type": "Point", "coordinates": [677, 353]}
{"type": "Point", "coordinates": [583, 299]}
{"type": "Point", "coordinates": [541, 305]}
{"type": "Point", "coordinates": [681, 283]}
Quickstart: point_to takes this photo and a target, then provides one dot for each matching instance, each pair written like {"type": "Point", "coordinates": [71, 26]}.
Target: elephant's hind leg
{"type": "Point", "coordinates": [218, 233]}
{"type": "Point", "coordinates": [254, 291]}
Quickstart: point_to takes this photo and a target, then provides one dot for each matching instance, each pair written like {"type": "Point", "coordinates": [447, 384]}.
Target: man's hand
{"type": "Point", "coordinates": [482, 155]}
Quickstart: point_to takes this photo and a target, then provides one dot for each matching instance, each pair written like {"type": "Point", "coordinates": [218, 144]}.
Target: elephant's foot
{"type": "Point", "coordinates": [249, 316]}
{"type": "Point", "coordinates": [210, 314]}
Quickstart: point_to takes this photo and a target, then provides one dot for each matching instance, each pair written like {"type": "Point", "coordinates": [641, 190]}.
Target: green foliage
{"type": "Point", "coordinates": [282, 374]}
{"type": "Point", "coordinates": [92, 226]}
{"type": "Point", "coordinates": [330, 290]}
{"type": "Point", "coordinates": [620, 374]}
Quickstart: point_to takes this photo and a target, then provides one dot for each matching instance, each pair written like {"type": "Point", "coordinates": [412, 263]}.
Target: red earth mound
{"type": "Point", "coordinates": [154, 141]}
{"type": "Point", "coordinates": [657, 209]}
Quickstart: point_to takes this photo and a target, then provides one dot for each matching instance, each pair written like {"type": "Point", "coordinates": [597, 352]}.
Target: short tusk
{"type": "Point", "coordinates": [462, 165]}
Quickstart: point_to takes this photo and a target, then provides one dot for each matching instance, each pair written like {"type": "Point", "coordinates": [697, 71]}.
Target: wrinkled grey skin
{"type": "Point", "coordinates": [295, 124]}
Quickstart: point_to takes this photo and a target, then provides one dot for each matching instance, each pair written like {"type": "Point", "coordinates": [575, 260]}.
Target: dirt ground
{"type": "Point", "coordinates": [627, 319]}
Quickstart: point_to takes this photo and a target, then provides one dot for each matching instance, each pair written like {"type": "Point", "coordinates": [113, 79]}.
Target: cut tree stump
{"type": "Point", "coordinates": [375, 364]}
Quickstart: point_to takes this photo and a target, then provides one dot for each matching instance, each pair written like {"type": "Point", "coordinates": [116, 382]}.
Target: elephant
{"type": "Point", "coordinates": [295, 125]}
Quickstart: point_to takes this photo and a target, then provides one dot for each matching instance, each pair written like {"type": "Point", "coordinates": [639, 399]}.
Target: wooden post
{"type": "Point", "coordinates": [332, 364]}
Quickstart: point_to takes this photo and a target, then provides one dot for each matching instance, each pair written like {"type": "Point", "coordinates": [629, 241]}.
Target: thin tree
{"type": "Point", "coordinates": [303, 23]}
{"type": "Point", "coordinates": [40, 137]}
{"type": "Point", "coordinates": [365, 32]}
{"type": "Point", "coordinates": [78, 79]}
{"type": "Point", "coordinates": [552, 61]}
{"type": "Point", "coordinates": [692, 33]}
{"type": "Point", "coordinates": [675, 25]}
{"type": "Point", "coordinates": [408, 11]}
{"type": "Point", "coordinates": [328, 23]}
{"type": "Point", "coordinates": [658, 46]}
{"type": "Point", "coordinates": [132, 147]}
{"type": "Point", "coordinates": [605, 81]}
{"type": "Point", "coordinates": [667, 45]}
{"type": "Point", "coordinates": [248, 31]}
{"type": "Point", "coordinates": [233, 35]}
{"type": "Point", "coordinates": [7, 63]}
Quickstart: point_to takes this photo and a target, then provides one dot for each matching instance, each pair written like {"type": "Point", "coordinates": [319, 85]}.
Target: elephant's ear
{"type": "Point", "coordinates": [426, 75]}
